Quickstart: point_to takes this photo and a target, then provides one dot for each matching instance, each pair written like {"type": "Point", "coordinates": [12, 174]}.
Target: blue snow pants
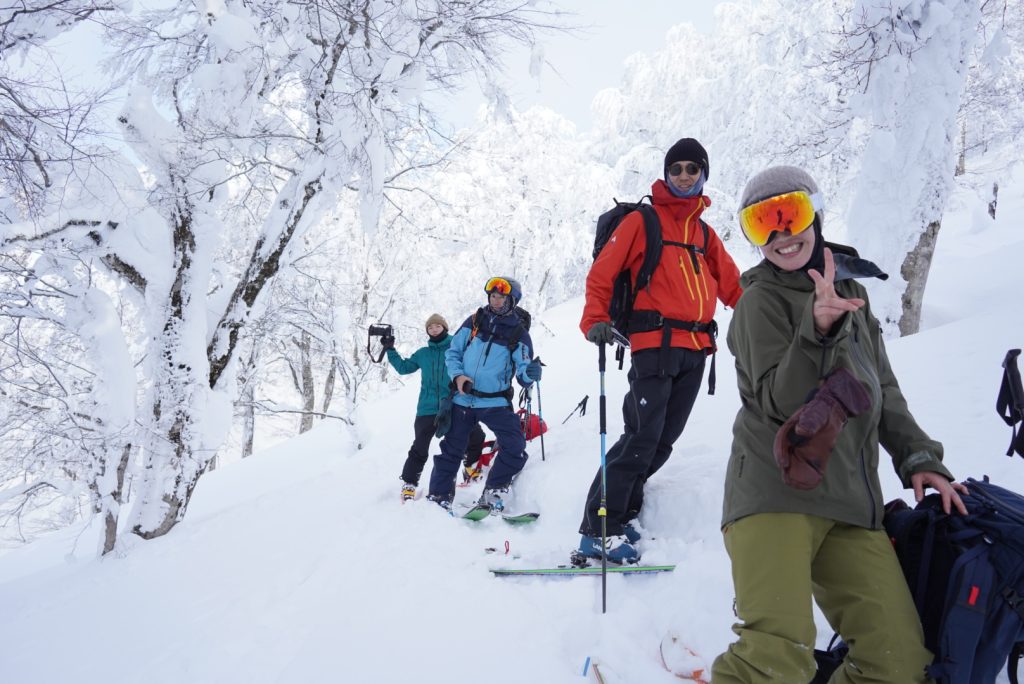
{"type": "Point", "coordinates": [511, 457]}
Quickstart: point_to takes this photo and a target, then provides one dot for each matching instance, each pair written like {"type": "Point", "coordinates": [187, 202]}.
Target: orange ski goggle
{"type": "Point", "coordinates": [499, 285]}
{"type": "Point", "coordinates": [793, 211]}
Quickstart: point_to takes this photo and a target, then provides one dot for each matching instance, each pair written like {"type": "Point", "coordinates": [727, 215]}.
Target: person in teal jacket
{"type": "Point", "coordinates": [430, 361]}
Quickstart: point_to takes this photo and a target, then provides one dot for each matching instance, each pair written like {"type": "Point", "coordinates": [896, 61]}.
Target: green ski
{"type": "Point", "coordinates": [521, 518]}
{"type": "Point", "coordinates": [571, 571]}
{"type": "Point", "coordinates": [481, 511]}
{"type": "Point", "coordinates": [477, 512]}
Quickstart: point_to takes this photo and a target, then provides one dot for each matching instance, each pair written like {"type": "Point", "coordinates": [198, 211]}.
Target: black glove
{"type": "Point", "coordinates": [387, 342]}
{"type": "Point", "coordinates": [600, 333]}
{"type": "Point", "coordinates": [443, 419]}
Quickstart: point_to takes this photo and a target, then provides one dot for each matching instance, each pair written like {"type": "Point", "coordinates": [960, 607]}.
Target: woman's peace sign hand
{"type": "Point", "coordinates": [829, 307]}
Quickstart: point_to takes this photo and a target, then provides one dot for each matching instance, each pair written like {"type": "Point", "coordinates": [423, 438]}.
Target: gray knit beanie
{"type": "Point", "coordinates": [778, 180]}
{"type": "Point", "coordinates": [437, 318]}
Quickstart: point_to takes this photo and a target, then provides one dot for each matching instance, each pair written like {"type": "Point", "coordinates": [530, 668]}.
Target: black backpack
{"type": "Point", "coordinates": [624, 290]}
{"type": "Point", "coordinates": [522, 315]}
{"type": "Point", "coordinates": [524, 319]}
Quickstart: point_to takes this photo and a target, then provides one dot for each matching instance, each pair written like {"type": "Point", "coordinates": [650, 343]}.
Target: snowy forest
{"type": "Point", "coordinates": [204, 205]}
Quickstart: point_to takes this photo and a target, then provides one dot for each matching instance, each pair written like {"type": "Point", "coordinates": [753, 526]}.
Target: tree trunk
{"type": "Point", "coordinates": [308, 388]}
{"type": "Point", "coordinates": [994, 201]}
{"type": "Point", "coordinates": [177, 451]}
{"type": "Point", "coordinates": [173, 469]}
{"type": "Point", "coordinates": [329, 387]}
{"type": "Point", "coordinates": [961, 160]}
{"type": "Point", "coordinates": [248, 401]}
{"type": "Point", "coordinates": [915, 271]}
{"type": "Point", "coordinates": [112, 513]}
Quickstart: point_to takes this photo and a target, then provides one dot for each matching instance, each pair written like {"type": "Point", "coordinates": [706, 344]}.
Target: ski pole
{"type": "Point", "coordinates": [525, 423]}
{"type": "Point", "coordinates": [581, 407]}
{"type": "Point", "coordinates": [602, 511]}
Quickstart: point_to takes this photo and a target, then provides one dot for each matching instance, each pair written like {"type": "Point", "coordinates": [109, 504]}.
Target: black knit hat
{"type": "Point", "coordinates": [688, 149]}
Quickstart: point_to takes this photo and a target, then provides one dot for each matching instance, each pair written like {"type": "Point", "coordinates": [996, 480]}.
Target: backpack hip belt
{"type": "Point", "coordinates": [505, 394]}
{"type": "Point", "coordinates": [643, 320]}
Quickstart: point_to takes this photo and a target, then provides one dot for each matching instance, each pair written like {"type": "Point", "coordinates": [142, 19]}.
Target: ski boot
{"type": "Point", "coordinates": [617, 548]}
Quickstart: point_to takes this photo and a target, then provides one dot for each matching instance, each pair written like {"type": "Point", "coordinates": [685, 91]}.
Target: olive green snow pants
{"type": "Point", "coordinates": [779, 562]}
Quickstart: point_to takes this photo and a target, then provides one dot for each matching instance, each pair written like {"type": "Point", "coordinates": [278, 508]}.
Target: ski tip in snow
{"type": "Point", "coordinates": [477, 512]}
{"type": "Point", "coordinates": [682, 661]}
{"type": "Point", "coordinates": [520, 518]}
{"type": "Point", "coordinates": [573, 571]}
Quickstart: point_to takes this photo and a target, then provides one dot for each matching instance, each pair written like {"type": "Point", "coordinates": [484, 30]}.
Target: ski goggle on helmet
{"type": "Point", "coordinates": [793, 211]}
{"type": "Point", "coordinates": [499, 285]}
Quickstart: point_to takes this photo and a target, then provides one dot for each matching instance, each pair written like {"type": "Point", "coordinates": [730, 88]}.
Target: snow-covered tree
{"type": "Point", "coordinates": [45, 122]}
{"type": "Point", "coordinates": [296, 103]}
{"type": "Point", "coordinates": [995, 80]}
{"type": "Point", "coordinates": [755, 93]}
{"type": "Point", "coordinates": [905, 64]}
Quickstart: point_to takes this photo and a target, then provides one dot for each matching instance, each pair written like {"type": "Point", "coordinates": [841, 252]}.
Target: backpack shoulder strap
{"type": "Point", "coordinates": [513, 339]}
{"type": "Point", "coordinates": [474, 326]}
{"type": "Point", "coordinates": [1011, 663]}
{"type": "Point", "coordinates": [694, 250]}
{"type": "Point", "coordinates": [1010, 402]}
{"type": "Point", "coordinates": [653, 248]}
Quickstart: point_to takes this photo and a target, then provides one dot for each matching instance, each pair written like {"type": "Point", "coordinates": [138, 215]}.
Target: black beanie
{"type": "Point", "coordinates": [687, 149]}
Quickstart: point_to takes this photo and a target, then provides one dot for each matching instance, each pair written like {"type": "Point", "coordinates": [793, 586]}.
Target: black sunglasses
{"type": "Point", "coordinates": [690, 168]}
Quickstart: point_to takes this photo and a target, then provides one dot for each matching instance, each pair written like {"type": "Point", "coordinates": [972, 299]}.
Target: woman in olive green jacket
{"type": "Point", "coordinates": [802, 316]}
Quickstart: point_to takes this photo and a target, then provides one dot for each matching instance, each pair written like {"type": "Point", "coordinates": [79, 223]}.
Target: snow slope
{"type": "Point", "coordinates": [301, 565]}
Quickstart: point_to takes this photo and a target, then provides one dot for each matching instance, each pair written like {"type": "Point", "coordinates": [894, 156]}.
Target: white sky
{"type": "Point", "coordinates": [581, 64]}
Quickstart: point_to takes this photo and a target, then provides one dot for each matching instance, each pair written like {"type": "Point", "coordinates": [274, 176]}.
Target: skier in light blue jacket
{"type": "Point", "coordinates": [490, 347]}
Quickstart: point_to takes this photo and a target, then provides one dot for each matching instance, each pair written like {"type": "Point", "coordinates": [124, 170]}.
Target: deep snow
{"type": "Point", "coordinates": [300, 564]}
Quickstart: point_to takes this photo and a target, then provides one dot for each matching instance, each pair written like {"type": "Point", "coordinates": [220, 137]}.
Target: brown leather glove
{"type": "Point", "coordinates": [805, 441]}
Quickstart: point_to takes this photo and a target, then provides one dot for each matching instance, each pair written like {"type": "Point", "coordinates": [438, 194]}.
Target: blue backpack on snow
{"type": "Point", "coordinates": [966, 574]}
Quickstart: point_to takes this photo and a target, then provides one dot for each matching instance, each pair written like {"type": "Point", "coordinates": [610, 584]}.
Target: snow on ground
{"type": "Point", "coordinates": [300, 564]}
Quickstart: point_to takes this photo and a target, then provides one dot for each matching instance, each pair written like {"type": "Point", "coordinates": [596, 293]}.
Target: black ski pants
{"type": "Point", "coordinates": [655, 411]}
{"type": "Point", "coordinates": [423, 427]}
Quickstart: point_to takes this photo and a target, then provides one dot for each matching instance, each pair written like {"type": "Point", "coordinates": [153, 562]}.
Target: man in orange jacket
{"type": "Point", "coordinates": [671, 333]}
